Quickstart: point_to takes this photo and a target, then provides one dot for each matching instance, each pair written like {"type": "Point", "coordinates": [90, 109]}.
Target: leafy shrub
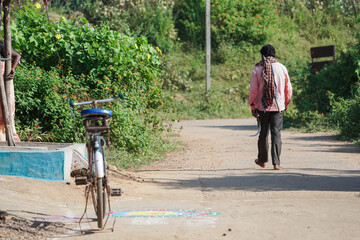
{"type": "Point", "coordinates": [97, 63]}
{"type": "Point", "coordinates": [322, 19]}
{"type": "Point", "coordinates": [99, 51]}
{"type": "Point", "coordinates": [310, 121]}
{"type": "Point", "coordinates": [42, 100]}
{"type": "Point", "coordinates": [332, 93]}
{"type": "Point", "coordinates": [151, 19]}
{"type": "Point", "coordinates": [128, 131]}
{"type": "Point", "coordinates": [345, 114]}
{"type": "Point", "coordinates": [154, 20]}
{"type": "Point", "coordinates": [339, 78]}
{"type": "Point", "coordinates": [173, 79]}
{"type": "Point", "coordinates": [336, 8]}
{"type": "Point", "coordinates": [231, 21]}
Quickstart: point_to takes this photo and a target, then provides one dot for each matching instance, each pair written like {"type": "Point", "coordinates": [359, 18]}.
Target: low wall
{"type": "Point", "coordinates": [46, 161]}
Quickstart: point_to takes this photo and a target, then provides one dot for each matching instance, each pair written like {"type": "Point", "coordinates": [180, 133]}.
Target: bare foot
{"type": "Point", "coordinates": [277, 167]}
{"type": "Point", "coordinates": [259, 163]}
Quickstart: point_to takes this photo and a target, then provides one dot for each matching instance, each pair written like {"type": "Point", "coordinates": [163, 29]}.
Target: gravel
{"type": "Point", "coordinates": [20, 228]}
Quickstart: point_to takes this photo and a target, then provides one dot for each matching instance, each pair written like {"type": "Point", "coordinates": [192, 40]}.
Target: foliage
{"type": "Point", "coordinates": [310, 121]}
{"type": "Point", "coordinates": [222, 101]}
{"type": "Point", "coordinates": [345, 114]}
{"type": "Point", "coordinates": [291, 26]}
{"type": "Point", "coordinates": [323, 20]}
{"type": "Point", "coordinates": [173, 79]}
{"type": "Point", "coordinates": [336, 9]}
{"type": "Point", "coordinates": [154, 20]}
{"type": "Point", "coordinates": [96, 63]}
{"type": "Point", "coordinates": [128, 131]}
{"type": "Point", "coordinates": [340, 79]}
{"type": "Point", "coordinates": [312, 108]}
{"type": "Point", "coordinates": [41, 100]}
{"type": "Point", "coordinates": [120, 158]}
{"type": "Point", "coordinates": [236, 21]}
{"type": "Point", "coordinates": [333, 93]}
{"type": "Point", "coordinates": [151, 19]}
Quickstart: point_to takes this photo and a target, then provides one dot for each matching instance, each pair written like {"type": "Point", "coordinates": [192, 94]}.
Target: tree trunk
{"type": "Point", "coordinates": [355, 7]}
{"type": "Point", "coordinates": [9, 84]}
{"type": "Point", "coordinates": [6, 85]}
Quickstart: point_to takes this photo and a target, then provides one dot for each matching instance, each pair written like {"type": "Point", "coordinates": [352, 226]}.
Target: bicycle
{"type": "Point", "coordinates": [96, 126]}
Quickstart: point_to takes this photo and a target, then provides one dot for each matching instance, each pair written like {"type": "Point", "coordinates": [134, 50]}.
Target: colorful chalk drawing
{"type": "Point", "coordinates": [129, 214]}
{"type": "Point", "coordinates": [161, 213]}
{"type": "Point", "coordinates": [55, 218]}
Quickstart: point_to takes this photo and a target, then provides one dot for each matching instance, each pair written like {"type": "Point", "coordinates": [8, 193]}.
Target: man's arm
{"type": "Point", "coordinates": [288, 90]}
{"type": "Point", "coordinates": [15, 61]}
{"type": "Point", "coordinates": [253, 93]}
{"type": "Point", "coordinates": [253, 89]}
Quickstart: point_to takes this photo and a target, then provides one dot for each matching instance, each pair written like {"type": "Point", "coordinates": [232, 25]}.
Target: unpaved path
{"type": "Point", "coordinates": [316, 196]}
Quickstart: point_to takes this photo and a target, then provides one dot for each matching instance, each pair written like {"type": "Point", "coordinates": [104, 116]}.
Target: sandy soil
{"type": "Point", "coordinates": [316, 196]}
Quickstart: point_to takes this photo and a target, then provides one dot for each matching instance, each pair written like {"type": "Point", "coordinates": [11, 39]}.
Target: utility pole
{"type": "Point", "coordinates": [208, 44]}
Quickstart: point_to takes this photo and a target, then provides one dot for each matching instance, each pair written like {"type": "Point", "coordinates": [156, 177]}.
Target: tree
{"type": "Point", "coordinates": [6, 85]}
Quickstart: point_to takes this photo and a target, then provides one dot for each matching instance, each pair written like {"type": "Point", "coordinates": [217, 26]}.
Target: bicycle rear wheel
{"type": "Point", "coordinates": [100, 208]}
{"type": "Point", "coordinates": [98, 195]}
{"type": "Point", "coordinates": [98, 185]}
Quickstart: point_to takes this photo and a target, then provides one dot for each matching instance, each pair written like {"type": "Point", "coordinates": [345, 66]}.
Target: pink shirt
{"type": "Point", "coordinates": [283, 84]}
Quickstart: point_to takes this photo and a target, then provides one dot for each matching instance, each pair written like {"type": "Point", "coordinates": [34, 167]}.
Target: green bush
{"type": "Point", "coordinates": [339, 78]}
{"type": "Point", "coordinates": [345, 114]}
{"type": "Point", "coordinates": [322, 20]}
{"type": "Point", "coordinates": [98, 51]}
{"type": "Point", "coordinates": [154, 20]}
{"type": "Point", "coordinates": [310, 121]}
{"type": "Point", "coordinates": [97, 63]}
{"type": "Point", "coordinates": [237, 21]}
{"type": "Point", "coordinates": [42, 100]}
{"type": "Point", "coordinates": [151, 19]}
{"type": "Point", "coordinates": [333, 94]}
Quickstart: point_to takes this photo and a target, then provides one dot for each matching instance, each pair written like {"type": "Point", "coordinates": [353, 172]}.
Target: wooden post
{"type": "Point", "coordinates": [7, 39]}
{"type": "Point", "coordinates": [5, 85]}
{"type": "Point", "coordinates": [6, 113]}
{"type": "Point", "coordinates": [208, 45]}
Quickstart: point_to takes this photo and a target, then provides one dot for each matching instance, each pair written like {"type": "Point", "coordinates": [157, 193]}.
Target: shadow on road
{"type": "Point", "coordinates": [329, 180]}
{"type": "Point", "coordinates": [236, 127]}
{"type": "Point", "coordinates": [325, 144]}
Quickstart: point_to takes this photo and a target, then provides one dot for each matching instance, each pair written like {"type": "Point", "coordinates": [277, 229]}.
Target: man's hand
{"type": "Point", "coordinates": [11, 74]}
{"type": "Point", "coordinates": [255, 113]}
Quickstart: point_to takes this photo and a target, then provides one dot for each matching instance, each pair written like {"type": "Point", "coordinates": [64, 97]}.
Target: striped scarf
{"type": "Point", "coordinates": [267, 74]}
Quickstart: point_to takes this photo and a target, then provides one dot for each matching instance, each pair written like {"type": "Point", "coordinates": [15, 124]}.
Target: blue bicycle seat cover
{"type": "Point", "coordinates": [96, 111]}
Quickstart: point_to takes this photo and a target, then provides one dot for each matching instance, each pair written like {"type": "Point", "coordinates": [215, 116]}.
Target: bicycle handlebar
{"type": "Point", "coordinates": [121, 96]}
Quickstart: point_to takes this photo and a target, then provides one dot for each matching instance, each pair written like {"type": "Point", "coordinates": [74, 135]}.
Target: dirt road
{"type": "Point", "coordinates": [214, 177]}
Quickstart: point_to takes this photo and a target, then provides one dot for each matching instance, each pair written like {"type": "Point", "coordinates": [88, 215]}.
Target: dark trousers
{"type": "Point", "coordinates": [272, 121]}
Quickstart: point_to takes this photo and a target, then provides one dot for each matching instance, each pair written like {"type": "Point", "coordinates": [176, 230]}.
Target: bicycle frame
{"type": "Point", "coordinates": [98, 157]}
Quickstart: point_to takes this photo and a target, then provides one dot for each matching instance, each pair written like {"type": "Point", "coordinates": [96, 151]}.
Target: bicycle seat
{"type": "Point", "coordinates": [92, 112]}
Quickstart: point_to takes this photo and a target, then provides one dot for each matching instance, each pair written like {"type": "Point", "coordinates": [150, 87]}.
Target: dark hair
{"type": "Point", "coordinates": [268, 50]}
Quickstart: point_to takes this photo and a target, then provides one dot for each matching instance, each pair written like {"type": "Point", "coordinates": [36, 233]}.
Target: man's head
{"type": "Point", "coordinates": [268, 50]}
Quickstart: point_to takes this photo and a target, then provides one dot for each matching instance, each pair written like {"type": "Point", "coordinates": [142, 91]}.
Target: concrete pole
{"type": "Point", "coordinates": [208, 45]}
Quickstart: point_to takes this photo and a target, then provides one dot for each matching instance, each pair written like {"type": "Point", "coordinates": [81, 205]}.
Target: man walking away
{"type": "Point", "coordinates": [269, 95]}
